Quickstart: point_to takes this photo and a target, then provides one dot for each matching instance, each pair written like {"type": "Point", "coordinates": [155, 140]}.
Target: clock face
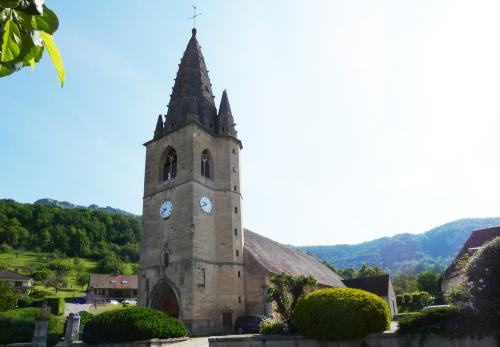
{"type": "Point", "coordinates": [166, 209]}
{"type": "Point", "coordinates": [205, 204]}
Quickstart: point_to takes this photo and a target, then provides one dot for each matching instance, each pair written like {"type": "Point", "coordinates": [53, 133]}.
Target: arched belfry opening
{"type": "Point", "coordinates": [168, 164]}
{"type": "Point", "coordinates": [207, 165]}
{"type": "Point", "coordinates": [164, 298]}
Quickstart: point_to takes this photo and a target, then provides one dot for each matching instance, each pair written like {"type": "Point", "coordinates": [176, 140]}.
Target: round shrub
{"type": "Point", "coordinates": [483, 280]}
{"type": "Point", "coordinates": [132, 324]}
{"type": "Point", "coordinates": [341, 314]}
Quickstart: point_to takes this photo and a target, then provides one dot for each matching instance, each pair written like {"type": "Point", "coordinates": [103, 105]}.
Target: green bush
{"type": "Point", "coordinates": [272, 326]}
{"type": "Point", "coordinates": [8, 297]}
{"type": "Point", "coordinates": [449, 322]}
{"type": "Point", "coordinates": [19, 325]}
{"type": "Point", "coordinates": [56, 304]}
{"type": "Point", "coordinates": [483, 280]}
{"type": "Point", "coordinates": [85, 317]}
{"type": "Point", "coordinates": [132, 324]}
{"type": "Point", "coordinates": [341, 314]}
{"type": "Point", "coordinates": [24, 301]}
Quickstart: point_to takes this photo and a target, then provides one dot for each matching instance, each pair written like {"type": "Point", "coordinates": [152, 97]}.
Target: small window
{"type": "Point", "coordinates": [171, 125]}
{"type": "Point", "coordinates": [170, 165]}
{"type": "Point", "coordinates": [124, 282]}
{"type": "Point", "coordinates": [235, 232]}
{"type": "Point", "coordinates": [223, 129]}
{"type": "Point", "coordinates": [239, 299]}
{"type": "Point", "coordinates": [201, 277]}
{"type": "Point", "coordinates": [239, 274]}
{"type": "Point", "coordinates": [237, 253]}
{"type": "Point", "coordinates": [112, 281]}
{"type": "Point", "coordinates": [236, 210]}
{"type": "Point", "coordinates": [206, 164]}
{"type": "Point", "coordinates": [235, 188]}
{"type": "Point", "coordinates": [234, 151]}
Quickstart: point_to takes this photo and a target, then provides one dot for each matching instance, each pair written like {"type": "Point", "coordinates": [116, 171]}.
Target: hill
{"type": "Point", "coordinates": [66, 204]}
{"type": "Point", "coordinates": [405, 252]}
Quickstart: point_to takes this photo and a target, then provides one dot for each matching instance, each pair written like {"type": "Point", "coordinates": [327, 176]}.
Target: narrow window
{"type": "Point", "coordinates": [237, 253]}
{"type": "Point", "coordinates": [239, 299]}
{"type": "Point", "coordinates": [235, 188]}
{"type": "Point", "coordinates": [236, 210]}
{"type": "Point", "coordinates": [234, 151]}
{"type": "Point", "coordinates": [235, 232]}
{"type": "Point", "coordinates": [170, 165]}
{"type": "Point", "coordinates": [201, 277]}
{"type": "Point", "coordinates": [239, 274]}
{"type": "Point", "coordinates": [206, 164]}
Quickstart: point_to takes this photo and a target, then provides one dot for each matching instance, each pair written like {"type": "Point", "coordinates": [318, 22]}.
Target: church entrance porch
{"type": "Point", "coordinates": [164, 298]}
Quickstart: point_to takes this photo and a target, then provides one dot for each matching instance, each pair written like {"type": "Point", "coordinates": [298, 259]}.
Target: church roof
{"type": "Point", "coordinates": [192, 97]}
{"type": "Point", "coordinates": [277, 258]}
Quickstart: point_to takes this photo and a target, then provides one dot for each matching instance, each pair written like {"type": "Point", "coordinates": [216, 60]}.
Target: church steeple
{"type": "Point", "coordinates": [192, 98]}
{"type": "Point", "coordinates": [225, 120]}
{"type": "Point", "coordinates": [159, 127]}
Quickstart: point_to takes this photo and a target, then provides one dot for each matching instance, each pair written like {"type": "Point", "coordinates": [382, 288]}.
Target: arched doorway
{"type": "Point", "coordinates": [164, 298]}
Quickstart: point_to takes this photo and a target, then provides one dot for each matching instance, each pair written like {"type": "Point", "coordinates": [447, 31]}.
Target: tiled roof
{"type": "Point", "coordinates": [277, 258]}
{"type": "Point", "coordinates": [113, 281]}
{"type": "Point", "coordinates": [378, 285]}
{"type": "Point", "coordinates": [13, 276]}
{"type": "Point", "coordinates": [475, 240]}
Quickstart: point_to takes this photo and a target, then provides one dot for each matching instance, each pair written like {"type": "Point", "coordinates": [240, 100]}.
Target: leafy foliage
{"type": "Point", "coordinates": [272, 326]}
{"type": "Point", "coordinates": [413, 302]}
{"type": "Point", "coordinates": [428, 281]}
{"type": "Point", "coordinates": [18, 326]}
{"type": "Point", "coordinates": [75, 232]}
{"type": "Point", "coordinates": [483, 280]}
{"type": "Point", "coordinates": [341, 314]}
{"type": "Point", "coordinates": [404, 283]}
{"type": "Point", "coordinates": [450, 322]}
{"type": "Point", "coordinates": [27, 27]}
{"type": "Point", "coordinates": [405, 252]}
{"type": "Point", "coordinates": [457, 295]}
{"type": "Point", "coordinates": [8, 297]}
{"type": "Point", "coordinates": [286, 290]}
{"type": "Point", "coordinates": [132, 324]}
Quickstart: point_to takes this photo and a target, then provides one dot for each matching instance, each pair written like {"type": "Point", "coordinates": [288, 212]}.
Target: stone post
{"type": "Point", "coordinates": [41, 327]}
{"type": "Point", "coordinates": [72, 329]}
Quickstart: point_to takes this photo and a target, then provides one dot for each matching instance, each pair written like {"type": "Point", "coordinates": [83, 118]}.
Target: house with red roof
{"type": "Point", "coordinates": [104, 287]}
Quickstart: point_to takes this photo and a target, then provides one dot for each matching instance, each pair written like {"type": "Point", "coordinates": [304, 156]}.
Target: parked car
{"type": "Point", "coordinates": [130, 302]}
{"type": "Point", "coordinates": [248, 324]}
{"type": "Point", "coordinates": [113, 302]}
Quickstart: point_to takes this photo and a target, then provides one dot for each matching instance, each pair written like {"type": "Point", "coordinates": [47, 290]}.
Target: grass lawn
{"type": "Point", "coordinates": [24, 261]}
{"type": "Point", "coordinates": [105, 308]}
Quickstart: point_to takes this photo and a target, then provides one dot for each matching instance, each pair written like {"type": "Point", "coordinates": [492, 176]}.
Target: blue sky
{"type": "Point", "coordinates": [359, 119]}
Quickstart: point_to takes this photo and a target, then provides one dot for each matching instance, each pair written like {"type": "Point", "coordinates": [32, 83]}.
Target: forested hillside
{"type": "Point", "coordinates": [73, 232]}
{"type": "Point", "coordinates": [411, 253]}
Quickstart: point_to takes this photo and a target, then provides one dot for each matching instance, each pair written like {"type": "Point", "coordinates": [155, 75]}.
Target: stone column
{"type": "Point", "coordinates": [41, 327]}
{"type": "Point", "coordinates": [72, 329]}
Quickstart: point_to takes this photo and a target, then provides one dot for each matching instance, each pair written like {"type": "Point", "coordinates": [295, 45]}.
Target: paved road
{"type": "Point", "coordinates": [193, 342]}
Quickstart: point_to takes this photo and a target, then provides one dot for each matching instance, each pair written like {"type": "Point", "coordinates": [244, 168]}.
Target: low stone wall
{"type": "Point", "coordinates": [145, 343]}
{"type": "Point", "coordinates": [376, 340]}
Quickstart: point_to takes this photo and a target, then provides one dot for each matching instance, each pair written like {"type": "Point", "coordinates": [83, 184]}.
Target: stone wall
{"type": "Point", "coordinates": [376, 340]}
{"type": "Point", "coordinates": [145, 343]}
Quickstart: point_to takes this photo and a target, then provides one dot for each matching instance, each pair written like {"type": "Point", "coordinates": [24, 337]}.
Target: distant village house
{"type": "Point", "coordinates": [21, 283]}
{"type": "Point", "coordinates": [455, 273]}
{"type": "Point", "coordinates": [103, 288]}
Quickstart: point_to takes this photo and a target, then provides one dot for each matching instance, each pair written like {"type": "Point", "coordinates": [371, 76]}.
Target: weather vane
{"type": "Point", "coordinates": [194, 16]}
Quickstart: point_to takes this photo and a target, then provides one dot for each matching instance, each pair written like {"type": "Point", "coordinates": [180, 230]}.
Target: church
{"type": "Point", "coordinates": [197, 261]}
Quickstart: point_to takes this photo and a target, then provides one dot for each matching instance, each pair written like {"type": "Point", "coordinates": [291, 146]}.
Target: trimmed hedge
{"type": "Point", "coordinates": [132, 324]}
{"type": "Point", "coordinates": [19, 325]}
{"type": "Point", "coordinates": [448, 322]}
{"type": "Point", "coordinates": [341, 314]}
{"type": "Point", "coordinates": [56, 305]}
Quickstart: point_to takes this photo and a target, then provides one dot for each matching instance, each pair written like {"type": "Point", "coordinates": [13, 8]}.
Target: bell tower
{"type": "Point", "coordinates": [191, 263]}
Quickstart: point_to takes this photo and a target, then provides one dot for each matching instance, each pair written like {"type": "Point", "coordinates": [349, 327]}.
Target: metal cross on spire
{"type": "Point", "coordinates": [194, 16]}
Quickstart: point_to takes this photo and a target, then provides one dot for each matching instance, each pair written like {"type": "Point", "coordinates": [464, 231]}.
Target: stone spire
{"type": "Point", "coordinates": [225, 120]}
{"type": "Point", "coordinates": [159, 127]}
{"type": "Point", "coordinates": [192, 98]}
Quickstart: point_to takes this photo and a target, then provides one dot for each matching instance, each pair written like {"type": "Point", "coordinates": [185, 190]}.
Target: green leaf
{"type": "Point", "coordinates": [11, 42]}
{"type": "Point", "coordinates": [47, 22]}
{"type": "Point", "coordinates": [33, 57]}
{"type": "Point", "coordinates": [32, 7]}
{"type": "Point", "coordinates": [6, 70]}
{"type": "Point", "coordinates": [54, 54]}
{"type": "Point", "coordinates": [27, 44]}
{"type": "Point", "coordinates": [9, 3]}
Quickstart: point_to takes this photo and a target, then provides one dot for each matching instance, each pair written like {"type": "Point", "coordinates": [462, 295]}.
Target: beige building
{"type": "Point", "coordinates": [197, 262]}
